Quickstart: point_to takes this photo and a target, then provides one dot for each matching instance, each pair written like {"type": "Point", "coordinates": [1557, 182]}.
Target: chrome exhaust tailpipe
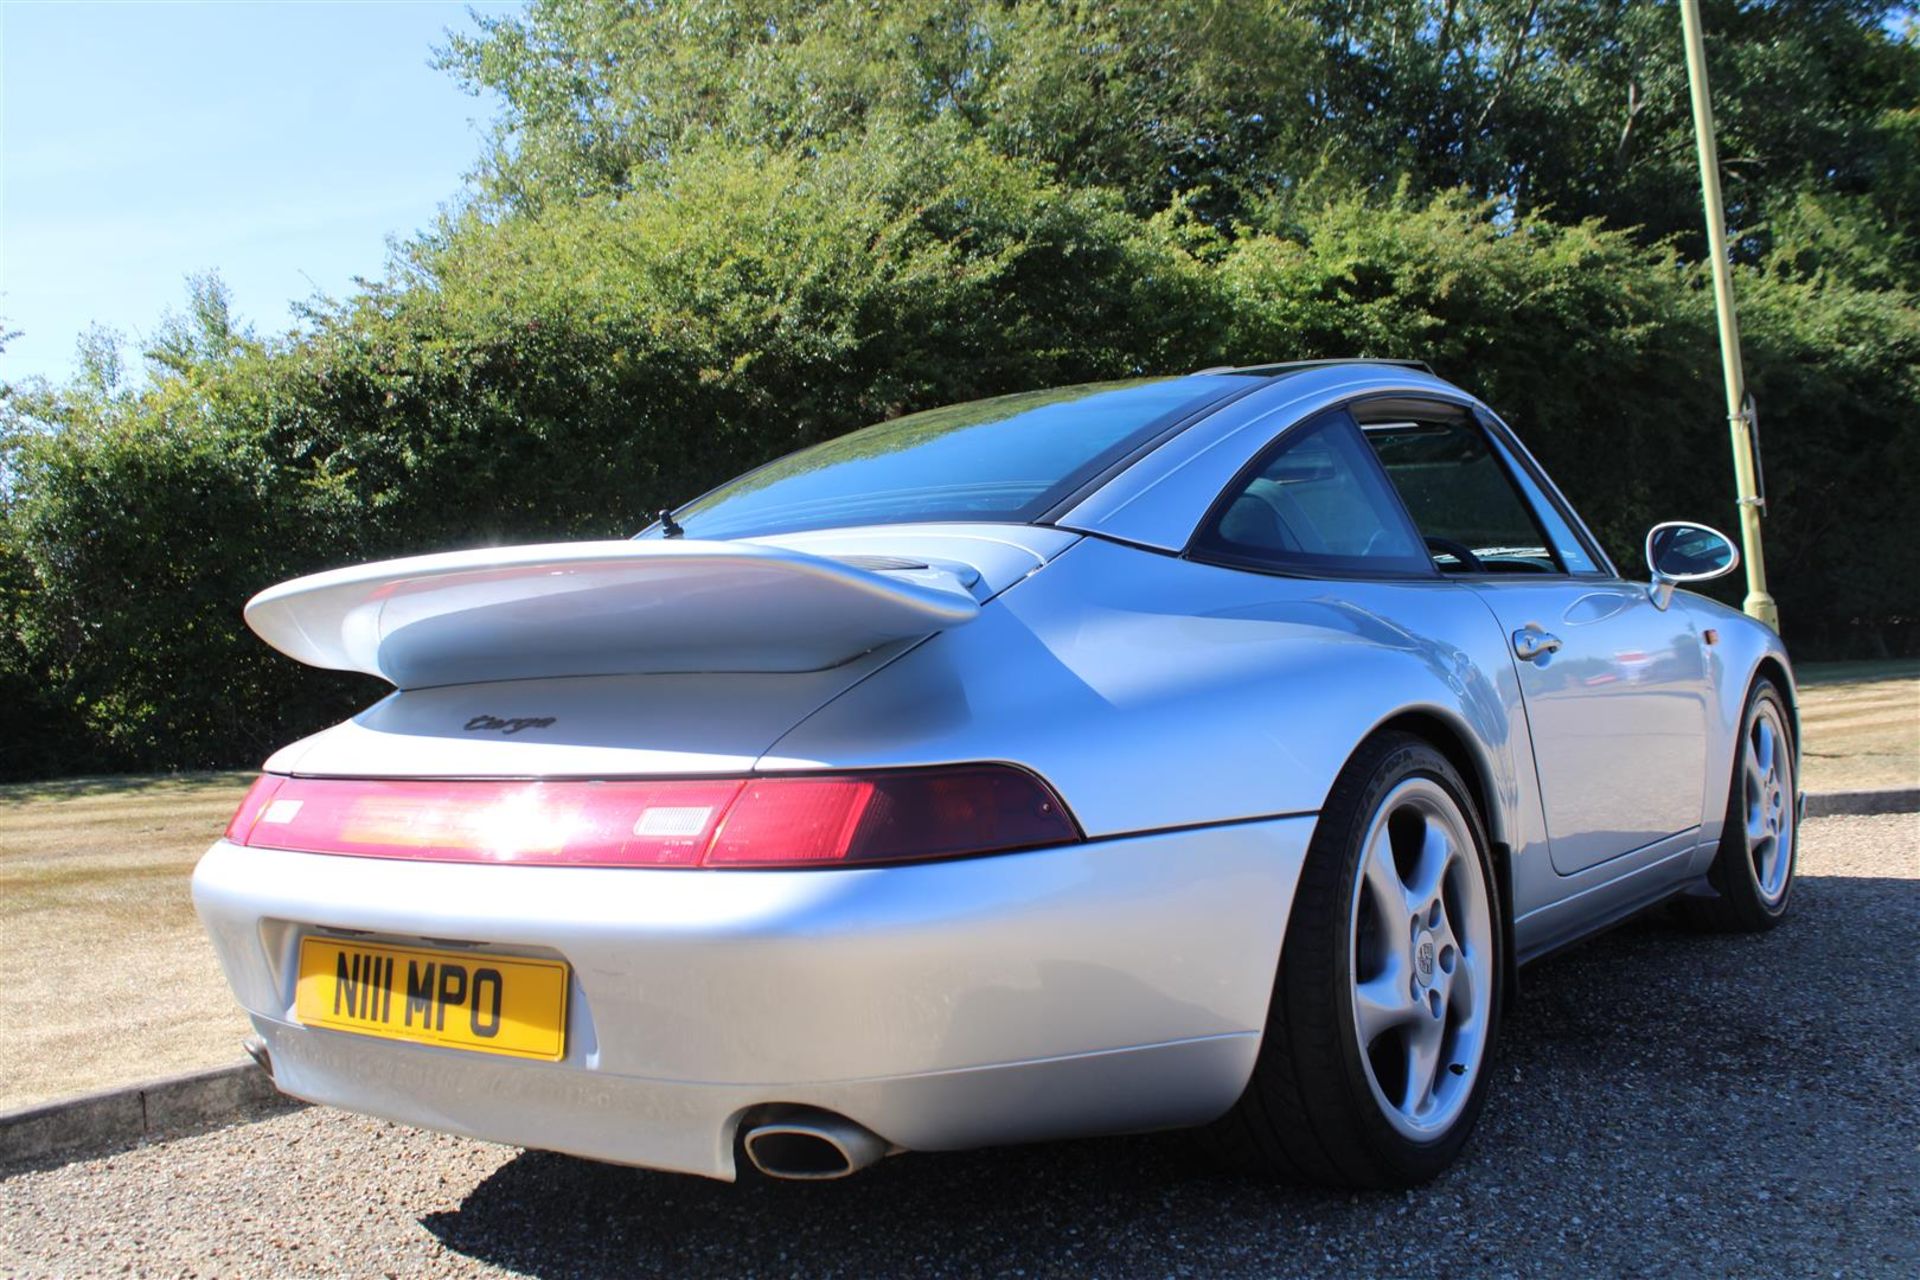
{"type": "Point", "coordinates": [810, 1145]}
{"type": "Point", "coordinates": [257, 1050]}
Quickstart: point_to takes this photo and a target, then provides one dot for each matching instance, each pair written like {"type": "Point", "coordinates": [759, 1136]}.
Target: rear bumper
{"type": "Point", "coordinates": [1105, 987]}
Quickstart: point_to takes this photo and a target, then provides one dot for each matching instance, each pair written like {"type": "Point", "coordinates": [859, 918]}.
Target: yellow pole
{"type": "Point", "coordinates": [1758, 603]}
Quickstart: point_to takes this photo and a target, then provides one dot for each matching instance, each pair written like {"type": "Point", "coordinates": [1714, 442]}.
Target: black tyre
{"type": "Point", "coordinates": [1385, 1012]}
{"type": "Point", "coordinates": [1751, 880]}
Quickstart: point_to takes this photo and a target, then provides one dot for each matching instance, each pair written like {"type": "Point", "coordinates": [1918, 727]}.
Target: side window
{"type": "Point", "coordinates": [1573, 552]}
{"type": "Point", "coordinates": [1459, 493]}
{"type": "Point", "coordinates": [1318, 504]}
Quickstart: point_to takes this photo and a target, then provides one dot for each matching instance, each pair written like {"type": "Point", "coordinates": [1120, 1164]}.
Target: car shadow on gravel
{"type": "Point", "coordinates": [1662, 1101]}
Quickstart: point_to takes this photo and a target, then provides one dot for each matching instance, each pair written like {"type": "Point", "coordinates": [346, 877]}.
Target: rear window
{"type": "Point", "coordinates": [1007, 459]}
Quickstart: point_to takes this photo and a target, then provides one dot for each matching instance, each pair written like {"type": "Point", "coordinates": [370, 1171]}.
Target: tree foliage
{"type": "Point", "coordinates": [1575, 106]}
{"type": "Point", "coordinates": [705, 234]}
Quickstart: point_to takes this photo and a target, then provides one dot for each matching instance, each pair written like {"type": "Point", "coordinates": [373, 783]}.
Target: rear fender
{"type": "Point", "coordinates": [1156, 692]}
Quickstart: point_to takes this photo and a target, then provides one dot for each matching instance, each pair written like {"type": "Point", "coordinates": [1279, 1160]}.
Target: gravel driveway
{"type": "Point", "coordinates": [1665, 1104]}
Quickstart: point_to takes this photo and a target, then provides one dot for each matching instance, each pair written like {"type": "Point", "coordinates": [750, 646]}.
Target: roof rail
{"type": "Point", "coordinates": [1290, 366]}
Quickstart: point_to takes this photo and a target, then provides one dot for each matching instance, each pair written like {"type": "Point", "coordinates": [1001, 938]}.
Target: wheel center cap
{"type": "Point", "coordinates": [1423, 959]}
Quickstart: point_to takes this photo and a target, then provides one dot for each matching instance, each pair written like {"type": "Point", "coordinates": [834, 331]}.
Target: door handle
{"type": "Point", "coordinates": [1531, 642]}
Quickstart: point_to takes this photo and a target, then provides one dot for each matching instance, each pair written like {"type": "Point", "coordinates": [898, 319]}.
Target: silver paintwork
{"type": "Point", "coordinates": [1618, 713]}
{"type": "Point", "coordinates": [604, 608]}
{"type": "Point", "coordinates": [611, 726]}
{"type": "Point", "coordinates": [1192, 716]}
{"type": "Point", "coordinates": [1108, 986]}
{"type": "Point", "coordinates": [661, 724]}
{"type": "Point", "coordinates": [1422, 967]}
{"type": "Point", "coordinates": [1001, 554]}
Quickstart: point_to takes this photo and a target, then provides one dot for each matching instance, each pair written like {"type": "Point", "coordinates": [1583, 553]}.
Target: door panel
{"type": "Point", "coordinates": [1618, 713]}
{"type": "Point", "coordinates": [1615, 689]}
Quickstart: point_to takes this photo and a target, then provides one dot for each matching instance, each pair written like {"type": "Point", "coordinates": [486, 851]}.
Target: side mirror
{"type": "Point", "coordinates": [1678, 551]}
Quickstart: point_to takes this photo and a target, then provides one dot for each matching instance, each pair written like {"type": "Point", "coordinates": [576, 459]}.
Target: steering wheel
{"type": "Point", "coordinates": [1459, 551]}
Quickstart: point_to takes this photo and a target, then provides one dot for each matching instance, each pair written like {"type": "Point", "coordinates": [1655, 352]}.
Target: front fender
{"type": "Point", "coordinates": [1740, 648]}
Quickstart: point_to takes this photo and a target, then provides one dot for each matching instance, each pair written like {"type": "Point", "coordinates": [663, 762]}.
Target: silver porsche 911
{"type": "Point", "coordinates": [1207, 751]}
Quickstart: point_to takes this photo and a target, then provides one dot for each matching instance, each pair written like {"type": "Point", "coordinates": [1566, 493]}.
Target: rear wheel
{"type": "Point", "coordinates": [1752, 875]}
{"type": "Point", "coordinates": [1373, 1067]}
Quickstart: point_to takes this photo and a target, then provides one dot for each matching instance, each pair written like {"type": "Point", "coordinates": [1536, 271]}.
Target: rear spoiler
{"type": "Point", "coordinates": [603, 608]}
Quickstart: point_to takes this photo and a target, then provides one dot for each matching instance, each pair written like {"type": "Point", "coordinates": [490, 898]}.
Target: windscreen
{"type": "Point", "coordinates": [1007, 459]}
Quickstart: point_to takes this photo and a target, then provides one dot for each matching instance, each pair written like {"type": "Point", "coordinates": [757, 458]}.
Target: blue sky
{"type": "Point", "coordinates": [277, 143]}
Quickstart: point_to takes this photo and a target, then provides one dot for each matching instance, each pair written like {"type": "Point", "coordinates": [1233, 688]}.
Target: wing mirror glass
{"type": "Point", "coordinates": [1679, 551]}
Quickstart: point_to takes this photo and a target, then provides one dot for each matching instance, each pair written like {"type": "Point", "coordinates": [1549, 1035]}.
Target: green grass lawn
{"type": "Point", "coordinates": [1860, 722]}
{"type": "Point", "coordinates": [109, 977]}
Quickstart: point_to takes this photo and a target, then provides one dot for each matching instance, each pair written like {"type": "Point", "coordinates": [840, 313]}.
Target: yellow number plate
{"type": "Point", "coordinates": [495, 1004]}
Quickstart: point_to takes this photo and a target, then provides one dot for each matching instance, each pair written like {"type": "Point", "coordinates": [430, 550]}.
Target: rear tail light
{"type": "Point", "coordinates": [782, 821]}
{"type": "Point", "coordinates": [259, 795]}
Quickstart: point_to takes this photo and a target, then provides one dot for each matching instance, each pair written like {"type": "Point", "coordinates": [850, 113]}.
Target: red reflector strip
{"type": "Point", "coordinates": [784, 821]}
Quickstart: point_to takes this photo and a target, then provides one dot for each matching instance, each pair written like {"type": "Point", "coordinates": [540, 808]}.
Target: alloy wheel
{"type": "Point", "coordinates": [1422, 967]}
{"type": "Point", "coordinates": [1766, 781]}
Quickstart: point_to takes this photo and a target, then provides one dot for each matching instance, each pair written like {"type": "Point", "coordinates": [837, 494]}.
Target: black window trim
{"type": "Point", "coordinates": [1198, 550]}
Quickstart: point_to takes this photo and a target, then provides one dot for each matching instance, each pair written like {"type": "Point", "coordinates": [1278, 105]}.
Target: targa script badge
{"type": "Point", "coordinates": [509, 726]}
